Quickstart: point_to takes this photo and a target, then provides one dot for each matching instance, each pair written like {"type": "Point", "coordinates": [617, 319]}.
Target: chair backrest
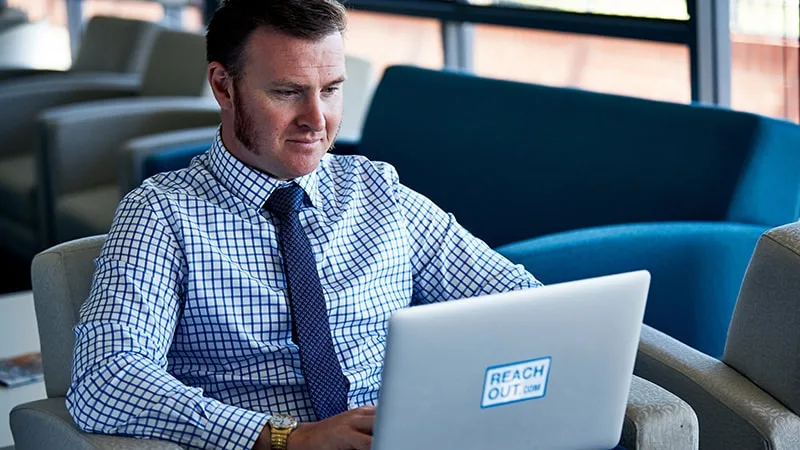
{"type": "Point", "coordinates": [177, 65]}
{"type": "Point", "coordinates": [514, 160]}
{"type": "Point", "coordinates": [146, 156]}
{"type": "Point", "coordinates": [764, 335]}
{"type": "Point", "coordinates": [357, 92]}
{"type": "Point", "coordinates": [61, 278]}
{"type": "Point", "coordinates": [115, 44]}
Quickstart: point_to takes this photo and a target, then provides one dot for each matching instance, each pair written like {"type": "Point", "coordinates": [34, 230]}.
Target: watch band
{"type": "Point", "coordinates": [280, 427]}
{"type": "Point", "coordinates": [278, 438]}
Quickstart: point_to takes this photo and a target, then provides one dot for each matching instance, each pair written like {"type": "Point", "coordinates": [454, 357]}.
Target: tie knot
{"type": "Point", "coordinates": [285, 200]}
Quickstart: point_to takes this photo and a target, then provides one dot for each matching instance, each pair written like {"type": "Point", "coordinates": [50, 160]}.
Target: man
{"type": "Point", "coordinates": [252, 289]}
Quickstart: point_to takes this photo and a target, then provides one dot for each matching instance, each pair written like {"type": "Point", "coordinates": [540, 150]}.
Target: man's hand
{"type": "Point", "coordinates": [350, 430]}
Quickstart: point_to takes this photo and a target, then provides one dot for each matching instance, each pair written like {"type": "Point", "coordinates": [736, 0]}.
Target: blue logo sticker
{"type": "Point", "coordinates": [515, 382]}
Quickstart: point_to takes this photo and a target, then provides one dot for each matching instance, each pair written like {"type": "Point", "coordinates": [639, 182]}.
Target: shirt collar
{"type": "Point", "coordinates": [249, 184]}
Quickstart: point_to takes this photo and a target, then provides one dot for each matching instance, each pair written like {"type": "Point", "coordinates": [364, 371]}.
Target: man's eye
{"type": "Point", "coordinates": [283, 93]}
{"type": "Point", "coordinates": [331, 90]}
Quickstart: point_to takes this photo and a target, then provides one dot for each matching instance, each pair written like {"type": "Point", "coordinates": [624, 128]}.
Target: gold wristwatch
{"type": "Point", "coordinates": [280, 427]}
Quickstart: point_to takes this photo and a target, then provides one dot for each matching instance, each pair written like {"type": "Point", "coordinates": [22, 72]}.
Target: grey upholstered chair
{"type": "Point", "coordinates": [751, 398]}
{"type": "Point", "coordinates": [61, 280]}
{"type": "Point", "coordinates": [78, 152]}
{"type": "Point", "coordinates": [175, 68]}
{"type": "Point", "coordinates": [109, 45]}
{"type": "Point", "coordinates": [110, 64]}
{"type": "Point", "coordinates": [79, 157]}
{"type": "Point", "coordinates": [654, 419]}
{"type": "Point", "coordinates": [135, 152]}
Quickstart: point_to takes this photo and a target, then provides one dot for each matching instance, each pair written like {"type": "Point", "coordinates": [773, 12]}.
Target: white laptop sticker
{"type": "Point", "coordinates": [515, 382]}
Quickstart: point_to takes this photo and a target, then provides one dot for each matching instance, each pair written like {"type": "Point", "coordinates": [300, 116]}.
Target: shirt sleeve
{"type": "Point", "coordinates": [120, 384]}
{"type": "Point", "coordinates": [448, 261]}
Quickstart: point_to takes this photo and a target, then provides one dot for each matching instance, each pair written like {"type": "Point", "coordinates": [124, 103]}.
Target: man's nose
{"type": "Point", "coordinates": [313, 116]}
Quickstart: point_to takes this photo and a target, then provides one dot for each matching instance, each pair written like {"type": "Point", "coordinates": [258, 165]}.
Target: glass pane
{"type": "Point", "coordinates": [660, 9]}
{"type": "Point", "coordinates": [55, 11]}
{"type": "Point", "coordinates": [188, 18]}
{"type": "Point", "coordinates": [619, 66]}
{"type": "Point", "coordinates": [387, 39]}
{"type": "Point", "coordinates": [764, 56]}
{"type": "Point", "coordinates": [37, 9]}
{"type": "Point", "coordinates": [132, 9]}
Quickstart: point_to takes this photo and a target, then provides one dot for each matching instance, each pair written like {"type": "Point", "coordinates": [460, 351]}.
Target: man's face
{"type": "Point", "coordinates": [285, 108]}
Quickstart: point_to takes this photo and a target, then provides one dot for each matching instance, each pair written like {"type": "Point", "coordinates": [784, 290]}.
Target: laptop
{"type": "Point", "coordinates": [545, 368]}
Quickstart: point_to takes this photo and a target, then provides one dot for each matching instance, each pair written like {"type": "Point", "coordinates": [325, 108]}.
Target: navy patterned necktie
{"type": "Point", "coordinates": [321, 370]}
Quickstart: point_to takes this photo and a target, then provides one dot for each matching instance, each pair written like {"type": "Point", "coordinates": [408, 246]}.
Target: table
{"type": "Point", "coordinates": [18, 334]}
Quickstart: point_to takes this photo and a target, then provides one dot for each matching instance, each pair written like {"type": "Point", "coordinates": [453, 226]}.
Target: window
{"type": "Point", "coordinates": [660, 9]}
{"type": "Point", "coordinates": [186, 18]}
{"type": "Point", "coordinates": [131, 9]}
{"type": "Point", "coordinates": [55, 11]}
{"type": "Point", "coordinates": [764, 57]}
{"type": "Point", "coordinates": [392, 39]}
{"type": "Point", "coordinates": [619, 66]}
{"type": "Point", "coordinates": [38, 9]}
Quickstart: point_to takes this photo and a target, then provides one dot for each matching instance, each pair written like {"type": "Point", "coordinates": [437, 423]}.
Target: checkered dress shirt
{"type": "Point", "coordinates": [186, 334]}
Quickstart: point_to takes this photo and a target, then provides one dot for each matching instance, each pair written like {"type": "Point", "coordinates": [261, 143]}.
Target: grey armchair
{"type": "Point", "coordinates": [105, 67]}
{"type": "Point", "coordinates": [79, 157]}
{"type": "Point", "coordinates": [61, 280]}
{"type": "Point", "coordinates": [751, 397]}
{"type": "Point", "coordinates": [109, 45]}
{"type": "Point", "coordinates": [654, 419]}
{"type": "Point", "coordinates": [135, 152]}
{"type": "Point", "coordinates": [78, 151]}
{"type": "Point", "coordinates": [175, 67]}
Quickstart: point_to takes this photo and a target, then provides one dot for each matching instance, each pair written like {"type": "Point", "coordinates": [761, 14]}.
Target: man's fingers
{"type": "Point", "coordinates": [360, 441]}
{"type": "Point", "coordinates": [368, 410]}
{"type": "Point", "coordinates": [363, 424]}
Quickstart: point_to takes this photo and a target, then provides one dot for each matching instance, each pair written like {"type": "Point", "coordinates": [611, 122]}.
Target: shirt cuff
{"type": "Point", "coordinates": [230, 427]}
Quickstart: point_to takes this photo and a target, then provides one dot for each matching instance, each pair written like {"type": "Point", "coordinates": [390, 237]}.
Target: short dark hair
{"type": "Point", "coordinates": [235, 20]}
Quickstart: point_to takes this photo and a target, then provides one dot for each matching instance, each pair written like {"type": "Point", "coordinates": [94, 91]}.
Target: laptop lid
{"type": "Point", "coordinates": [546, 368]}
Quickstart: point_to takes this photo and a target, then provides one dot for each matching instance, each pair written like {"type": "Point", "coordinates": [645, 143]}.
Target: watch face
{"type": "Point", "coordinates": [282, 421]}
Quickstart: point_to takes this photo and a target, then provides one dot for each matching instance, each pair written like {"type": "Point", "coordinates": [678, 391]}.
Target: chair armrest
{"type": "Point", "coordinates": [732, 411]}
{"type": "Point", "coordinates": [697, 269]}
{"type": "Point", "coordinates": [47, 424]}
{"type": "Point", "coordinates": [25, 99]}
{"type": "Point", "coordinates": [81, 141]}
{"type": "Point", "coordinates": [10, 73]}
{"type": "Point", "coordinates": [137, 150]}
{"type": "Point", "coordinates": [655, 416]}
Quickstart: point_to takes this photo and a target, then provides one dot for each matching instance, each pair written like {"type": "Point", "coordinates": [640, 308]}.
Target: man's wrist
{"type": "Point", "coordinates": [264, 439]}
{"type": "Point", "coordinates": [292, 442]}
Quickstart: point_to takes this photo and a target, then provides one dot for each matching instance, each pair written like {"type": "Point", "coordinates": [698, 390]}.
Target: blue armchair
{"type": "Point", "coordinates": [601, 183]}
{"type": "Point", "coordinates": [514, 161]}
{"type": "Point", "coordinates": [696, 268]}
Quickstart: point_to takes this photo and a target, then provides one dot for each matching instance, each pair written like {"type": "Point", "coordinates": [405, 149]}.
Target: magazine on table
{"type": "Point", "coordinates": [21, 369]}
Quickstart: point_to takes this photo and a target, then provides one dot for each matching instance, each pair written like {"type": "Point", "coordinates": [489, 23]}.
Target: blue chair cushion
{"type": "Point", "coordinates": [696, 268]}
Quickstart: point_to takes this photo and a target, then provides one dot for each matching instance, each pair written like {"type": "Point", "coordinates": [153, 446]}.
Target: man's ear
{"type": "Point", "coordinates": [221, 85]}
